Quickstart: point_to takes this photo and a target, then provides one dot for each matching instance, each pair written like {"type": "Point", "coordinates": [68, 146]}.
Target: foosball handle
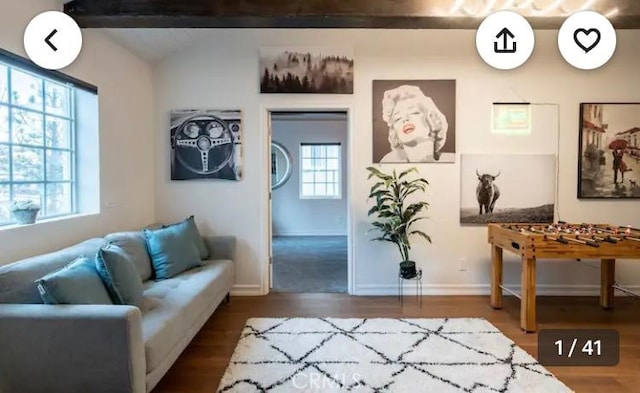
{"type": "Point", "coordinates": [563, 241]}
{"type": "Point", "coordinates": [592, 243]}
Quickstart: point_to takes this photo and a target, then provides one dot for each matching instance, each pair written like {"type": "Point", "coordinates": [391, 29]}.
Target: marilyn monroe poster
{"type": "Point", "coordinates": [414, 121]}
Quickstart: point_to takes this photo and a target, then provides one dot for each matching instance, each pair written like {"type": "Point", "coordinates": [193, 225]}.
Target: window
{"type": "Point", "coordinates": [320, 171]}
{"type": "Point", "coordinates": [37, 142]}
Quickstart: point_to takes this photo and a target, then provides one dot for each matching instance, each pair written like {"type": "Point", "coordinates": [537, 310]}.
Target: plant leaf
{"type": "Point", "coordinates": [408, 171]}
{"type": "Point", "coordinates": [393, 218]}
{"type": "Point", "coordinates": [414, 220]}
{"type": "Point", "coordinates": [421, 234]}
{"type": "Point", "coordinates": [379, 193]}
{"type": "Point", "coordinates": [377, 173]}
{"type": "Point", "coordinates": [382, 239]}
{"type": "Point", "coordinates": [376, 186]}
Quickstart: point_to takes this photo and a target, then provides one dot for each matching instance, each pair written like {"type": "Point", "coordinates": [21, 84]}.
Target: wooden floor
{"type": "Point", "coordinates": [203, 363]}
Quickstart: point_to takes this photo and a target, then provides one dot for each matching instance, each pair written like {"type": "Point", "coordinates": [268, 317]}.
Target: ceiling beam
{"type": "Point", "coordinates": [377, 14]}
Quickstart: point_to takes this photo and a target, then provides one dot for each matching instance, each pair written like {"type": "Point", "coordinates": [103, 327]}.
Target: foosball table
{"type": "Point", "coordinates": [558, 241]}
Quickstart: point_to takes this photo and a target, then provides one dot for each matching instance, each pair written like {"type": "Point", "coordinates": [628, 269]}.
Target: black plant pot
{"type": "Point", "coordinates": [408, 269]}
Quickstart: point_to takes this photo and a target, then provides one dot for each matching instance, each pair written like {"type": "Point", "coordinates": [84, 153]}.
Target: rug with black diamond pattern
{"type": "Point", "coordinates": [461, 355]}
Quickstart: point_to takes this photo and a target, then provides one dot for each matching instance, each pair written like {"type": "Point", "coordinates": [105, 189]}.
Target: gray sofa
{"type": "Point", "coordinates": [103, 348]}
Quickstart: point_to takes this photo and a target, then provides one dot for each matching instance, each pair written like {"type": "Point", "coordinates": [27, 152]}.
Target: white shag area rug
{"type": "Point", "coordinates": [461, 355]}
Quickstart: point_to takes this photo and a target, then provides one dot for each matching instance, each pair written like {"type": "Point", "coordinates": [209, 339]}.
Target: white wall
{"type": "Point", "coordinates": [293, 216]}
{"type": "Point", "coordinates": [221, 71]}
{"type": "Point", "coordinates": [126, 148]}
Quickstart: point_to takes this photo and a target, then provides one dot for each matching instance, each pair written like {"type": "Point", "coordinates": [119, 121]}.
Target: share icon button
{"type": "Point", "coordinates": [587, 40]}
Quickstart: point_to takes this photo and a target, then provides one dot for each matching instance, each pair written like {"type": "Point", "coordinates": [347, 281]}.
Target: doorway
{"type": "Point", "coordinates": [309, 220]}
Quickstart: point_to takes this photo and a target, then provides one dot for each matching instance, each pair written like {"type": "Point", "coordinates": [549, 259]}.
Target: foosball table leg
{"type": "Point", "coordinates": [496, 277]}
{"type": "Point", "coordinates": [528, 299]}
{"type": "Point", "coordinates": [607, 279]}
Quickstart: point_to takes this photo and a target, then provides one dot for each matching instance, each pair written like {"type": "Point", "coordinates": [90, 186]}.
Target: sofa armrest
{"type": "Point", "coordinates": [71, 348]}
{"type": "Point", "coordinates": [221, 247]}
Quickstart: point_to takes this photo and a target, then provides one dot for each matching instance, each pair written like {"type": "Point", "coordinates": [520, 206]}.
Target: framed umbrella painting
{"type": "Point", "coordinates": [609, 147]}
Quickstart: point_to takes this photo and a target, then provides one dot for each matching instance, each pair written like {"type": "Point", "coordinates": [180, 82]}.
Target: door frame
{"type": "Point", "coordinates": [266, 218]}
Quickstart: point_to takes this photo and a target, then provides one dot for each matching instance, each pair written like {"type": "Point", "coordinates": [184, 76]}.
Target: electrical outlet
{"type": "Point", "coordinates": [462, 264]}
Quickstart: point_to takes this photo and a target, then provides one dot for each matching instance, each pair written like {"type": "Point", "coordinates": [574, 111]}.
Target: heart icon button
{"type": "Point", "coordinates": [587, 39]}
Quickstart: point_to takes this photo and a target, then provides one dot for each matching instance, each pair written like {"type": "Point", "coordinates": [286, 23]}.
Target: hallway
{"type": "Point", "coordinates": [310, 263]}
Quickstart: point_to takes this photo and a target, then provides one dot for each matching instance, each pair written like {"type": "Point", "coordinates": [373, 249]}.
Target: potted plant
{"type": "Point", "coordinates": [394, 215]}
{"type": "Point", "coordinates": [24, 212]}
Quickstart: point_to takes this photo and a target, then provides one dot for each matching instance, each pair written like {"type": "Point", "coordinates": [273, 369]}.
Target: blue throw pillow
{"type": "Point", "coordinates": [76, 283]}
{"type": "Point", "coordinates": [119, 275]}
{"type": "Point", "coordinates": [190, 227]}
{"type": "Point", "coordinates": [172, 250]}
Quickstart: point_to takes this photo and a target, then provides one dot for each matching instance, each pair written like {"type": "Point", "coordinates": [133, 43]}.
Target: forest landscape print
{"type": "Point", "coordinates": [306, 70]}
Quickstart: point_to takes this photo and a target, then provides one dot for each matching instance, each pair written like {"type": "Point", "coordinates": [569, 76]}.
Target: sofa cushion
{"type": "Point", "coordinates": [119, 275]}
{"type": "Point", "coordinates": [76, 283]}
{"type": "Point", "coordinates": [172, 251]}
{"type": "Point", "coordinates": [171, 307]}
{"type": "Point", "coordinates": [135, 245]}
{"type": "Point", "coordinates": [17, 280]}
{"type": "Point", "coordinates": [189, 226]}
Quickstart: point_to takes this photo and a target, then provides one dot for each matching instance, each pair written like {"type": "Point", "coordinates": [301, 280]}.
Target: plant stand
{"type": "Point", "coordinates": [418, 280]}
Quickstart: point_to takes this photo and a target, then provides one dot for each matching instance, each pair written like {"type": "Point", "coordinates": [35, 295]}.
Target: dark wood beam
{"type": "Point", "coordinates": [376, 14]}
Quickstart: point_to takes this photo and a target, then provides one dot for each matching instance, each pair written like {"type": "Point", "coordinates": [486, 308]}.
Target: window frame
{"type": "Point", "coordinates": [338, 172]}
{"type": "Point", "coordinates": [44, 78]}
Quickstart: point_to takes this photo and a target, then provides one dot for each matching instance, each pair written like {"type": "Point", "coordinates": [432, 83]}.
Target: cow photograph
{"type": "Point", "coordinates": [507, 188]}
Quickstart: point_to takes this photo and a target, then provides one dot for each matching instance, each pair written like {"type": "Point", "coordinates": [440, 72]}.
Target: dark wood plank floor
{"type": "Point", "coordinates": [203, 363]}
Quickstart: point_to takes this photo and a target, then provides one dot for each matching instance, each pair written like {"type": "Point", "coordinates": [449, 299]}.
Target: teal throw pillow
{"type": "Point", "coordinates": [190, 227]}
{"type": "Point", "coordinates": [172, 251]}
{"type": "Point", "coordinates": [135, 245]}
{"type": "Point", "coordinates": [76, 283]}
{"type": "Point", "coordinates": [119, 275]}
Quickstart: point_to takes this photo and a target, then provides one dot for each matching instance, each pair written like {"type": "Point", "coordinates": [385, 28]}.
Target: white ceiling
{"type": "Point", "coordinates": [154, 45]}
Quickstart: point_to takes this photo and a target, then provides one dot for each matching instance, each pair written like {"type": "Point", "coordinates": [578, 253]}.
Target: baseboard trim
{"type": "Point", "coordinates": [246, 290]}
{"type": "Point", "coordinates": [482, 289]}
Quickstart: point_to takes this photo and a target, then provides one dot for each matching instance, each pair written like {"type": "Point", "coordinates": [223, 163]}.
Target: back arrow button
{"type": "Point", "coordinates": [48, 40]}
{"type": "Point", "coordinates": [53, 41]}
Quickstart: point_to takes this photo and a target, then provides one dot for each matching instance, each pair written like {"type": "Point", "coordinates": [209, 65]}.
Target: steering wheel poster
{"type": "Point", "coordinates": [206, 144]}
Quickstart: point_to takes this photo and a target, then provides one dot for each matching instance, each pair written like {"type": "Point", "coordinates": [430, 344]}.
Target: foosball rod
{"type": "Point", "coordinates": [618, 234]}
{"type": "Point", "coordinates": [519, 229]}
{"type": "Point", "coordinates": [510, 291]}
{"type": "Point", "coordinates": [556, 239]}
{"type": "Point", "coordinates": [543, 230]}
{"type": "Point", "coordinates": [588, 242]}
{"type": "Point", "coordinates": [532, 230]}
{"type": "Point", "coordinates": [565, 240]}
{"type": "Point", "coordinates": [583, 242]}
{"type": "Point", "coordinates": [607, 239]}
{"type": "Point", "coordinates": [629, 231]}
{"type": "Point", "coordinates": [628, 292]}
{"type": "Point", "coordinates": [632, 229]}
{"type": "Point", "coordinates": [607, 230]}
